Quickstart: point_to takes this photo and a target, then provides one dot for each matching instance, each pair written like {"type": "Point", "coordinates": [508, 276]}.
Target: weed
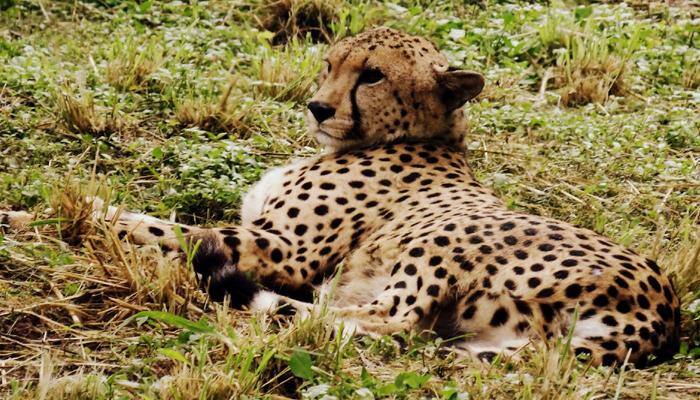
{"type": "Point", "coordinates": [79, 115]}
{"type": "Point", "coordinates": [213, 117]}
{"type": "Point", "coordinates": [590, 64]}
{"type": "Point", "coordinates": [289, 19]}
{"type": "Point", "coordinates": [691, 76]}
{"type": "Point", "coordinates": [286, 75]}
{"type": "Point", "coordinates": [130, 65]}
{"type": "Point", "coordinates": [587, 72]}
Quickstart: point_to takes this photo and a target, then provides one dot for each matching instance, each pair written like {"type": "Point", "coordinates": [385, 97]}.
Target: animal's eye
{"type": "Point", "coordinates": [328, 67]}
{"type": "Point", "coordinates": [370, 75]}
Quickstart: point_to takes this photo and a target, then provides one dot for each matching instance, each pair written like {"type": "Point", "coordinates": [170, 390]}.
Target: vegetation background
{"type": "Point", "coordinates": [590, 115]}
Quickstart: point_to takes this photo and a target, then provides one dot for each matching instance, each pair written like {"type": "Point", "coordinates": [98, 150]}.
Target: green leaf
{"type": "Point", "coordinates": [583, 13]}
{"type": "Point", "coordinates": [387, 390]}
{"type": "Point", "coordinates": [173, 354]}
{"type": "Point", "coordinates": [174, 320]}
{"type": "Point", "coordinates": [266, 35]}
{"type": "Point", "coordinates": [157, 153]}
{"type": "Point", "coordinates": [694, 352]}
{"type": "Point", "coordinates": [50, 221]}
{"type": "Point", "coordinates": [300, 363]}
{"type": "Point", "coordinates": [71, 289]}
{"type": "Point", "coordinates": [145, 6]}
{"type": "Point", "coordinates": [450, 392]}
{"type": "Point", "coordinates": [411, 380]}
{"type": "Point", "coordinates": [367, 379]}
{"type": "Point", "coordinates": [262, 364]}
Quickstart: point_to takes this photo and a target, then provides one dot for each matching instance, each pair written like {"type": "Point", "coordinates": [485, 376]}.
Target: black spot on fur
{"type": "Point", "coordinates": [573, 291]}
{"type": "Point", "coordinates": [155, 231]}
{"type": "Point", "coordinates": [500, 317]}
{"type": "Point", "coordinates": [469, 312]}
{"type": "Point", "coordinates": [433, 290]}
{"type": "Point", "coordinates": [523, 307]}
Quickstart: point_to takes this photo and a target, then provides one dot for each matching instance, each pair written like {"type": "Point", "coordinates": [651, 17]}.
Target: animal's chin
{"type": "Point", "coordinates": [328, 135]}
{"type": "Point", "coordinates": [333, 142]}
{"type": "Point", "coordinates": [328, 139]}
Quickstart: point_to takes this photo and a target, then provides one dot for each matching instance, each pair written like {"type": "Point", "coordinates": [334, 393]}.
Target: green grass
{"type": "Point", "coordinates": [591, 114]}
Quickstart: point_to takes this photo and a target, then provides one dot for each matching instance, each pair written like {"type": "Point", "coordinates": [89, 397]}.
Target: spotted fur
{"type": "Point", "coordinates": [421, 243]}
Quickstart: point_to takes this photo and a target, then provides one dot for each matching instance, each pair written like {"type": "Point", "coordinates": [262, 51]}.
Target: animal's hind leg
{"type": "Point", "coordinates": [407, 301]}
{"type": "Point", "coordinates": [375, 319]}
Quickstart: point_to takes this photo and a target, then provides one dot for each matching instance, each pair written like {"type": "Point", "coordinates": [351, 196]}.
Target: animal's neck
{"type": "Point", "coordinates": [457, 129]}
{"type": "Point", "coordinates": [450, 132]}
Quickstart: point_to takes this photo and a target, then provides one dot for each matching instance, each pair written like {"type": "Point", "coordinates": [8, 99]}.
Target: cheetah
{"type": "Point", "coordinates": [421, 244]}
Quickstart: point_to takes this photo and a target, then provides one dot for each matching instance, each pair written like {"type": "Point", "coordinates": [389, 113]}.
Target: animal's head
{"type": "Point", "coordinates": [384, 85]}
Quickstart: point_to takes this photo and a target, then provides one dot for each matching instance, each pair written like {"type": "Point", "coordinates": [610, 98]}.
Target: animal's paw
{"type": "Point", "coordinates": [15, 220]}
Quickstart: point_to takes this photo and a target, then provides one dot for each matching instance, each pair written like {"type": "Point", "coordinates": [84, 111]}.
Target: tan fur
{"type": "Point", "coordinates": [406, 104]}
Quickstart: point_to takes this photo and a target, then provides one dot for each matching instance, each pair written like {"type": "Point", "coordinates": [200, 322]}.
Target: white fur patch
{"type": "Point", "coordinates": [254, 200]}
{"type": "Point", "coordinates": [590, 327]}
{"type": "Point", "coordinates": [264, 301]}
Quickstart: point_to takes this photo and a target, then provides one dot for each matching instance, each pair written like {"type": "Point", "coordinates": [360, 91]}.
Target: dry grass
{"type": "Point", "coordinates": [684, 267]}
{"type": "Point", "coordinates": [289, 19]}
{"type": "Point", "coordinates": [80, 115]}
{"type": "Point", "coordinates": [207, 116]}
{"type": "Point", "coordinates": [113, 304]}
{"type": "Point", "coordinates": [588, 68]}
{"type": "Point", "coordinates": [285, 75]}
{"type": "Point", "coordinates": [106, 283]}
{"type": "Point", "coordinates": [588, 72]}
{"type": "Point", "coordinates": [227, 114]}
{"type": "Point", "coordinates": [130, 65]}
{"type": "Point", "coordinates": [691, 76]}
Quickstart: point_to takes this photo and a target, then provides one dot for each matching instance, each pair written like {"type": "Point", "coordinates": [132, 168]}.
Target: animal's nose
{"type": "Point", "coordinates": [321, 111]}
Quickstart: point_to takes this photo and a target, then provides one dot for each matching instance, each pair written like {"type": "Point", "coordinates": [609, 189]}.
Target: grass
{"type": "Point", "coordinates": [175, 108]}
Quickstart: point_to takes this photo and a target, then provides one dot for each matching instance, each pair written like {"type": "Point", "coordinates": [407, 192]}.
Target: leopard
{"type": "Point", "coordinates": [391, 213]}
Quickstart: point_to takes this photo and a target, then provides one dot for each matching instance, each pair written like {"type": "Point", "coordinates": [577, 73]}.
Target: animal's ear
{"type": "Point", "coordinates": [457, 87]}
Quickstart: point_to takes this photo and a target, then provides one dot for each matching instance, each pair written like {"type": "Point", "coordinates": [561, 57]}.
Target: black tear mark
{"type": "Point", "coordinates": [356, 130]}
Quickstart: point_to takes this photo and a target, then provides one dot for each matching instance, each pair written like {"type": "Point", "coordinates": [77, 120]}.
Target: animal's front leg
{"type": "Point", "coordinates": [386, 315]}
{"type": "Point", "coordinates": [231, 261]}
{"type": "Point", "coordinates": [143, 229]}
